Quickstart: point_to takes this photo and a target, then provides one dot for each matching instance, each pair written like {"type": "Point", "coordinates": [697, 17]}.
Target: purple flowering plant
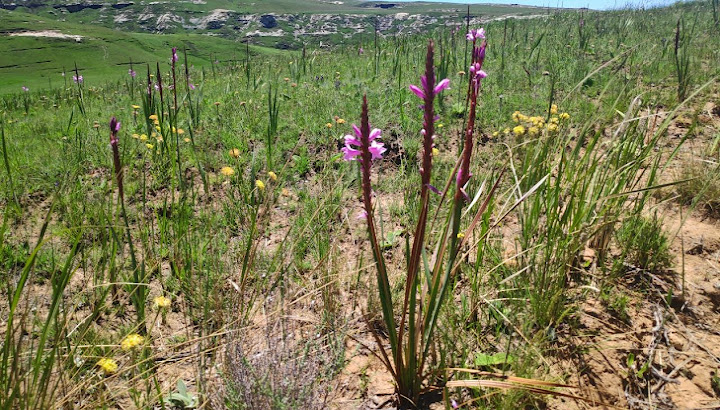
{"type": "Point", "coordinates": [411, 338]}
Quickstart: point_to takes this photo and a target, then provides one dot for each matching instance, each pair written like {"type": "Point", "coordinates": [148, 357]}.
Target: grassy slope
{"type": "Point", "coordinates": [104, 53]}
{"type": "Point", "coordinates": [307, 6]}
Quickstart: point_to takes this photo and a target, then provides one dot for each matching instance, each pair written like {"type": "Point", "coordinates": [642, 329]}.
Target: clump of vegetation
{"type": "Point", "coordinates": [643, 245]}
{"type": "Point", "coordinates": [282, 370]}
{"type": "Point", "coordinates": [701, 188]}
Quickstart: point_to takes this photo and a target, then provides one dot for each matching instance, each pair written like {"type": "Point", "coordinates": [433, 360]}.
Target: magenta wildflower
{"type": "Point", "coordinates": [192, 86]}
{"type": "Point", "coordinates": [353, 145]}
{"type": "Point", "coordinates": [132, 73]}
{"type": "Point", "coordinates": [477, 74]}
{"type": "Point", "coordinates": [442, 85]}
{"type": "Point", "coordinates": [475, 34]}
{"type": "Point", "coordinates": [174, 55]}
{"type": "Point", "coordinates": [78, 79]}
{"type": "Point", "coordinates": [25, 88]}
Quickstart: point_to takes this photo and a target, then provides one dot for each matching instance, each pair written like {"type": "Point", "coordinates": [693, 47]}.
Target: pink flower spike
{"type": "Point", "coordinates": [362, 215]}
{"type": "Point", "coordinates": [481, 74]}
{"type": "Point", "coordinates": [358, 133]}
{"type": "Point", "coordinates": [423, 81]}
{"type": "Point", "coordinates": [377, 149]}
{"type": "Point", "coordinates": [375, 133]}
{"type": "Point", "coordinates": [434, 190]}
{"type": "Point", "coordinates": [350, 140]}
{"type": "Point", "coordinates": [475, 34]}
{"type": "Point", "coordinates": [350, 153]}
{"type": "Point", "coordinates": [442, 85]}
{"type": "Point", "coordinates": [420, 93]}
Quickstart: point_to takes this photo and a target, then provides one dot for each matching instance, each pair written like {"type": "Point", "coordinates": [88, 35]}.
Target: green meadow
{"type": "Point", "coordinates": [194, 236]}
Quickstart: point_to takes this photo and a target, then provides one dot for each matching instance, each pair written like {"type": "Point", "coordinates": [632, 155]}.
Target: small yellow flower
{"type": "Point", "coordinates": [186, 139]}
{"type": "Point", "coordinates": [461, 73]}
{"type": "Point", "coordinates": [259, 184]}
{"type": "Point", "coordinates": [136, 107]}
{"type": "Point", "coordinates": [554, 120]}
{"type": "Point", "coordinates": [506, 131]}
{"type": "Point", "coordinates": [227, 171]}
{"type": "Point", "coordinates": [340, 121]}
{"type": "Point", "coordinates": [329, 125]}
{"type": "Point", "coordinates": [156, 122]}
{"type": "Point", "coordinates": [533, 131]}
{"type": "Point", "coordinates": [157, 129]}
{"type": "Point", "coordinates": [461, 235]}
{"type": "Point", "coordinates": [519, 130]}
{"type": "Point", "coordinates": [159, 137]}
{"type": "Point", "coordinates": [234, 152]}
{"type": "Point", "coordinates": [285, 192]}
{"type": "Point", "coordinates": [153, 117]}
{"type": "Point", "coordinates": [180, 131]}
{"type": "Point", "coordinates": [136, 136]}
{"type": "Point", "coordinates": [435, 152]}
{"type": "Point", "coordinates": [161, 302]}
{"type": "Point", "coordinates": [553, 109]}
{"type": "Point", "coordinates": [552, 127]}
{"type": "Point", "coordinates": [272, 175]}
{"type": "Point", "coordinates": [564, 116]}
{"type": "Point", "coordinates": [149, 146]}
{"type": "Point", "coordinates": [132, 341]}
{"type": "Point", "coordinates": [109, 366]}
{"type": "Point", "coordinates": [440, 125]}
{"type": "Point", "coordinates": [496, 133]}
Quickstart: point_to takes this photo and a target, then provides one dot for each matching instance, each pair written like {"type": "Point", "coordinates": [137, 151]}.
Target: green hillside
{"type": "Point", "coordinates": [102, 53]}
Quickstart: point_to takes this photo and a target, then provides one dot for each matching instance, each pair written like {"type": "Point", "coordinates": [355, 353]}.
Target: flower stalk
{"type": "Point", "coordinates": [114, 129]}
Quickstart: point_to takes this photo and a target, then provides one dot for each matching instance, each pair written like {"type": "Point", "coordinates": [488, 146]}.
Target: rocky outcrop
{"type": "Point", "coordinates": [268, 21]}
{"type": "Point", "coordinates": [171, 16]}
{"type": "Point", "coordinates": [77, 7]}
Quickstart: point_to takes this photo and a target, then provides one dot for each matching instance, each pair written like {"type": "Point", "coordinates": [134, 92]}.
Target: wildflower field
{"type": "Point", "coordinates": [518, 214]}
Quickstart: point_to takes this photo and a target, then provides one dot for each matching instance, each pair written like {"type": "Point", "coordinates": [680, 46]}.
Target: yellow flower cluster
{"type": "Point", "coordinates": [533, 126]}
{"type": "Point", "coordinates": [108, 366]}
{"type": "Point", "coordinates": [161, 302]}
{"type": "Point", "coordinates": [132, 341]}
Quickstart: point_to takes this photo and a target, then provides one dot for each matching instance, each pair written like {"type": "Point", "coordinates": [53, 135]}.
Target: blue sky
{"type": "Point", "coordinates": [593, 4]}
